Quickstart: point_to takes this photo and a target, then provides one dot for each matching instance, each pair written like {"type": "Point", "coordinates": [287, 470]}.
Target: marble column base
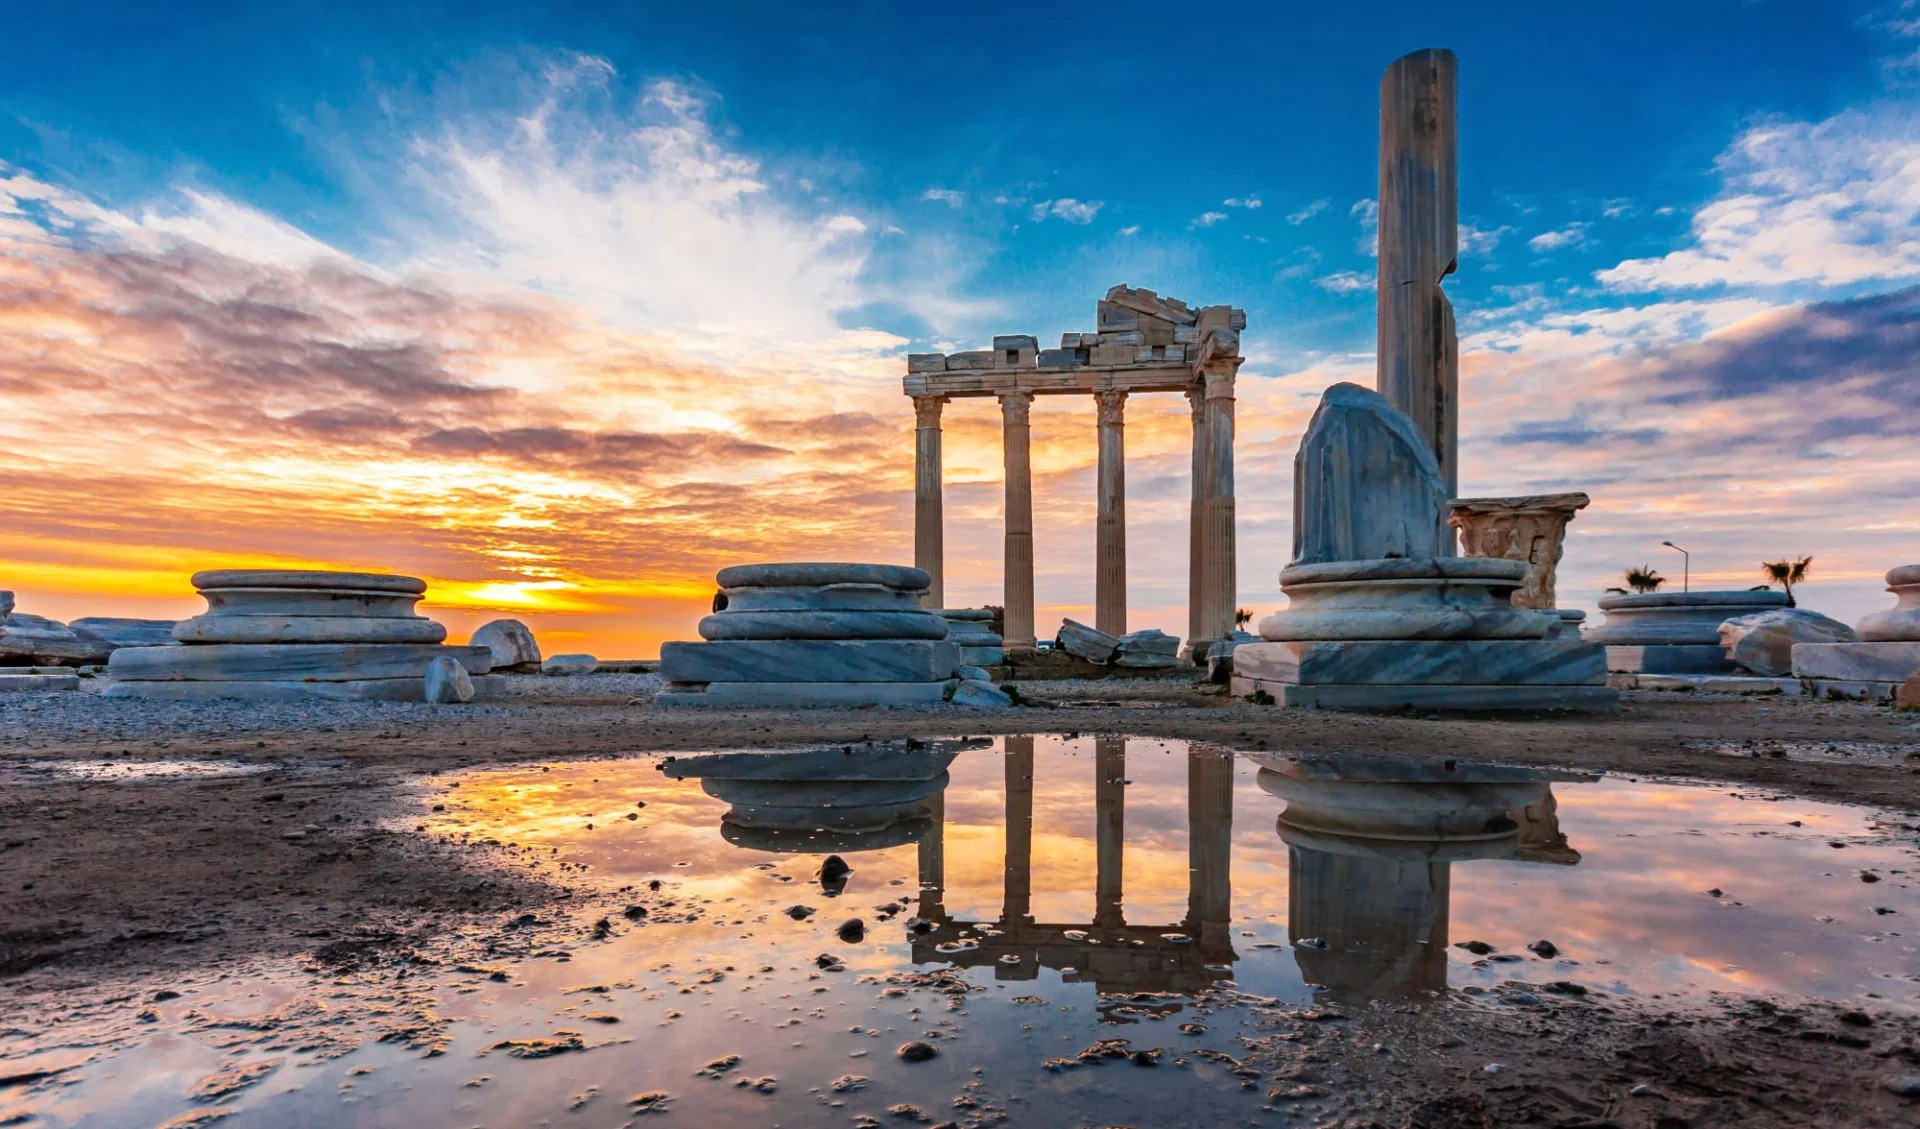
{"type": "Point", "coordinates": [1383, 697]}
{"type": "Point", "coordinates": [1449, 662]}
{"type": "Point", "coordinates": [1427, 598]}
{"type": "Point", "coordinates": [1670, 658]}
{"type": "Point", "coordinates": [801, 695]}
{"type": "Point", "coordinates": [362, 690]}
{"type": "Point", "coordinates": [1857, 662]}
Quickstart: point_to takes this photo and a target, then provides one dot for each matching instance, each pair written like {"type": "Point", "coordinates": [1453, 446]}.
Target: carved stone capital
{"type": "Point", "coordinates": [1112, 408]}
{"type": "Point", "coordinates": [1220, 377]}
{"type": "Point", "coordinates": [1014, 407]}
{"type": "Point", "coordinates": [926, 411]}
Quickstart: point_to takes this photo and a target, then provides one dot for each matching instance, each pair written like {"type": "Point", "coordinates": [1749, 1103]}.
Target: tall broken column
{"type": "Point", "coordinates": [929, 520]}
{"type": "Point", "coordinates": [1418, 352]}
{"type": "Point", "coordinates": [1017, 629]}
{"type": "Point", "coordinates": [1110, 531]}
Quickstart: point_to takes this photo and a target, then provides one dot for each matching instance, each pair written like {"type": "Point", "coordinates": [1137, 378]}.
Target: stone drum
{"type": "Point", "coordinates": [1887, 655]}
{"type": "Point", "coordinates": [1674, 632]}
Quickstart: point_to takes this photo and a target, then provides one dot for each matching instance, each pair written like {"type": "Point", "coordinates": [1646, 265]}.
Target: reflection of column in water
{"type": "Point", "coordinates": [1018, 883]}
{"type": "Point", "coordinates": [1110, 811]}
{"type": "Point", "coordinates": [1384, 921]}
{"type": "Point", "coordinates": [1209, 843]}
{"type": "Point", "coordinates": [933, 860]}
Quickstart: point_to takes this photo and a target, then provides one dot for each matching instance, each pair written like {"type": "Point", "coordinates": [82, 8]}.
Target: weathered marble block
{"type": "Point", "coordinates": [1643, 619]}
{"type": "Point", "coordinates": [1542, 662]}
{"type": "Point", "coordinates": [1089, 643]}
{"type": "Point", "coordinates": [1900, 623]}
{"type": "Point", "coordinates": [26, 679]}
{"type": "Point", "coordinates": [1857, 662]}
{"type": "Point", "coordinates": [511, 642]}
{"type": "Point", "coordinates": [122, 632]}
{"type": "Point", "coordinates": [1431, 598]}
{"type": "Point", "coordinates": [1365, 486]}
{"type": "Point", "coordinates": [738, 624]}
{"type": "Point", "coordinates": [1669, 658]}
{"type": "Point", "coordinates": [802, 695]}
{"type": "Point", "coordinates": [307, 629]}
{"type": "Point", "coordinates": [1764, 641]}
{"type": "Point", "coordinates": [288, 662]}
{"type": "Point", "coordinates": [810, 660]}
{"type": "Point", "coordinates": [361, 690]}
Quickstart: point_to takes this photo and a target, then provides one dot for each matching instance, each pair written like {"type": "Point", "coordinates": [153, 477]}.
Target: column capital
{"type": "Point", "coordinates": [1197, 402]}
{"type": "Point", "coordinates": [1220, 380]}
{"type": "Point", "coordinates": [1112, 407]}
{"type": "Point", "coordinates": [1014, 406]}
{"type": "Point", "coordinates": [926, 410]}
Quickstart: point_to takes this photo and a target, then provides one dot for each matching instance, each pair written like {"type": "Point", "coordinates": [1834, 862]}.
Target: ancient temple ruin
{"type": "Point", "coordinates": [1143, 343]}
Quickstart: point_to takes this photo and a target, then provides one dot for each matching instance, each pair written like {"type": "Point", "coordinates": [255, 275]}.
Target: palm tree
{"type": "Point", "coordinates": [1644, 579]}
{"type": "Point", "coordinates": [1787, 574]}
{"type": "Point", "coordinates": [1241, 617]}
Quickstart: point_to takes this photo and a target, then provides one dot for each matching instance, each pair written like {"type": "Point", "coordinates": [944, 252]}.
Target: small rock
{"type": "Point", "coordinates": [1855, 1019]}
{"type": "Point", "coordinates": [970, 673]}
{"type": "Point", "coordinates": [511, 642]}
{"type": "Point", "coordinates": [852, 929]}
{"type": "Point", "coordinates": [1477, 948]}
{"type": "Point", "coordinates": [800, 913]}
{"type": "Point", "coordinates": [1640, 1091]}
{"type": "Point", "coordinates": [1907, 1086]}
{"type": "Point", "coordinates": [634, 913]}
{"type": "Point", "coordinates": [834, 873]}
{"type": "Point", "coordinates": [981, 696]}
{"type": "Point", "coordinates": [447, 682]}
{"type": "Point", "coordinates": [917, 1051]}
{"type": "Point", "coordinates": [567, 665]}
{"type": "Point", "coordinates": [1545, 950]}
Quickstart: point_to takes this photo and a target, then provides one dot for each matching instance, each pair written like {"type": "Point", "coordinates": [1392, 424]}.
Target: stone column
{"type": "Point", "coordinates": [1531, 529]}
{"type": "Point", "coordinates": [1018, 623]}
{"type": "Point", "coordinates": [1418, 353]}
{"type": "Point", "coordinates": [1110, 829]}
{"type": "Point", "coordinates": [1017, 907]}
{"type": "Point", "coordinates": [1110, 539]}
{"type": "Point", "coordinates": [1218, 565]}
{"type": "Point", "coordinates": [1210, 846]}
{"type": "Point", "coordinates": [933, 861]}
{"type": "Point", "coordinates": [1196, 518]}
{"type": "Point", "coordinates": [929, 538]}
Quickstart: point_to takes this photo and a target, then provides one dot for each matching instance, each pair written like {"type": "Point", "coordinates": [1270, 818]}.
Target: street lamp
{"type": "Point", "coordinates": [1685, 563]}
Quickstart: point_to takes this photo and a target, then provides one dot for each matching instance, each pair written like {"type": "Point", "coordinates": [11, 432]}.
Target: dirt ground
{"type": "Point", "coordinates": [98, 882]}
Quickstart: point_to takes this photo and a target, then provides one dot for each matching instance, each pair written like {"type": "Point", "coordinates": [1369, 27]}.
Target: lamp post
{"type": "Point", "coordinates": [1685, 563]}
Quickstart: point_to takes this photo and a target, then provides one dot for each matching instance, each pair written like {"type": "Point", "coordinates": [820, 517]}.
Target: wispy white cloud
{"type": "Point", "coordinates": [1130, 229]}
{"type": "Point", "coordinates": [1368, 213]}
{"type": "Point", "coordinates": [1616, 209]}
{"type": "Point", "coordinates": [1346, 282]}
{"type": "Point", "coordinates": [1242, 202]}
{"type": "Point", "coordinates": [1572, 235]}
{"type": "Point", "coordinates": [1068, 209]}
{"type": "Point", "coordinates": [1207, 219]}
{"type": "Point", "coordinates": [948, 196]}
{"type": "Point", "coordinates": [1308, 212]}
{"type": "Point", "coordinates": [1480, 240]}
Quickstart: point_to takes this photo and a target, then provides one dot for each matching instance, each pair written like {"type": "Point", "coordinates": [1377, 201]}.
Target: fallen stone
{"type": "Point", "coordinates": [1089, 643]}
{"type": "Point", "coordinates": [810, 660]}
{"type": "Point", "coordinates": [447, 682]}
{"type": "Point", "coordinates": [1366, 487]}
{"type": "Point", "coordinates": [981, 695]}
{"type": "Point", "coordinates": [1763, 642]}
{"type": "Point", "coordinates": [1151, 645]}
{"type": "Point", "coordinates": [1857, 662]}
{"type": "Point", "coordinates": [511, 642]}
{"type": "Point", "coordinates": [127, 632]}
{"type": "Point", "coordinates": [1449, 662]}
{"type": "Point", "coordinates": [968, 673]}
{"type": "Point", "coordinates": [851, 930]}
{"type": "Point", "coordinates": [22, 679]}
{"type": "Point", "coordinates": [37, 641]}
{"type": "Point", "coordinates": [288, 662]}
{"type": "Point", "coordinates": [917, 1051]}
{"type": "Point", "coordinates": [1908, 696]}
{"type": "Point", "coordinates": [568, 665]}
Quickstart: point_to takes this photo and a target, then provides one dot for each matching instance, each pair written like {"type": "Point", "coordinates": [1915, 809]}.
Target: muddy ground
{"type": "Point", "coordinates": [313, 857]}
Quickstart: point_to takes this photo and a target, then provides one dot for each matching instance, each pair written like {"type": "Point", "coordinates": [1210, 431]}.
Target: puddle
{"type": "Point", "coordinates": [135, 770]}
{"type": "Point", "coordinates": [1022, 901]}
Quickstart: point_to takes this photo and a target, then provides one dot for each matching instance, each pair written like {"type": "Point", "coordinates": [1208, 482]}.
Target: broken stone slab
{"type": "Point", "coordinates": [1430, 598]}
{"type": "Point", "coordinates": [981, 695]}
{"type": "Point", "coordinates": [566, 666]}
{"type": "Point", "coordinates": [1900, 623]}
{"type": "Point", "coordinates": [1061, 358]}
{"type": "Point", "coordinates": [1669, 658]}
{"type": "Point", "coordinates": [1763, 642]}
{"type": "Point", "coordinates": [972, 360]}
{"type": "Point", "coordinates": [1132, 337]}
{"type": "Point", "coordinates": [1857, 662]}
{"type": "Point", "coordinates": [1531, 662]}
{"type": "Point", "coordinates": [982, 655]}
{"type": "Point", "coordinates": [366, 690]}
{"type": "Point", "coordinates": [1715, 684]}
{"type": "Point", "coordinates": [511, 642]}
{"type": "Point", "coordinates": [1111, 356]}
{"type": "Point", "coordinates": [1440, 697]}
{"type": "Point", "coordinates": [802, 695]}
{"type": "Point", "coordinates": [1366, 487]}
{"type": "Point", "coordinates": [122, 632]}
{"type": "Point", "coordinates": [1089, 643]}
{"type": "Point", "coordinates": [37, 641]}
{"type": "Point", "coordinates": [967, 672]}
{"type": "Point", "coordinates": [810, 660]}
{"type": "Point", "coordinates": [1685, 618]}
{"type": "Point", "coordinates": [737, 624]}
{"type": "Point", "coordinates": [1151, 641]}
{"type": "Point", "coordinates": [1145, 661]}
{"type": "Point", "coordinates": [1015, 341]}
{"type": "Point", "coordinates": [308, 629]}
{"type": "Point", "coordinates": [288, 662]}
{"type": "Point", "coordinates": [447, 682]}
{"type": "Point", "coordinates": [25, 679]}
{"type": "Point", "coordinates": [926, 362]}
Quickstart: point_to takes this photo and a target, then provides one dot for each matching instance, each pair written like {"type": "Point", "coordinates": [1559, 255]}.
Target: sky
{"type": "Point", "coordinates": [565, 309]}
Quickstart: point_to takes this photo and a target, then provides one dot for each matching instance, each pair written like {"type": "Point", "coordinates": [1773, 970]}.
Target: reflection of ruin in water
{"type": "Point", "coordinates": [1371, 845]}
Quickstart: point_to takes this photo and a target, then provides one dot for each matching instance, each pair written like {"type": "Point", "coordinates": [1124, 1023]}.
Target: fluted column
{"type": "Point", "coordinates": [929, 537]}
{"type": "Point", "coordinates": [1018, 882]}
{"type": "Point", "coordinates": [1196, 517]}
{"type": "Point", "coordinates": [933, 861]}
{"type": "Point", "coordinates": [1110, 530]}
{"type": "Point", "coordinates": [1218, 565]}
{"type": "Point", "coordinates": [1110, 829]}
{"type": "Point", "coordinates": [1017, 632]}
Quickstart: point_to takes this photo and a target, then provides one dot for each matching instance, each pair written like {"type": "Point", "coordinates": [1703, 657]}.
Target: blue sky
{"type": "Point", "coordinates": [1688, 253]}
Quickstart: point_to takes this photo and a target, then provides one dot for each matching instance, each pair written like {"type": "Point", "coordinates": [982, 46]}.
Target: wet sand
{"type": "Point", "coordinates": [315, 856]}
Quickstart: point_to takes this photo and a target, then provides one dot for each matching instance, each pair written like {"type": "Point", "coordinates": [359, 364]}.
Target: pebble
{"type": "Point", "coordinates": [852, 929]}
{"type": "Point", "coordinates": [1640, 1091]}
{"type": "Point", "coordinates": [917, 1051]}
{"type": "Point", "coordinates": [1907, 1086]}
{"type": "Point", "coordinates": [1546, 950]}
{"type": "Point", "coordinates": [799, 913]}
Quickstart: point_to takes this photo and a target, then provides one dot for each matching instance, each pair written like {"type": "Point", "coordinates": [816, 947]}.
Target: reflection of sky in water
{"type": "Point", "coordinates": [1630, 917]}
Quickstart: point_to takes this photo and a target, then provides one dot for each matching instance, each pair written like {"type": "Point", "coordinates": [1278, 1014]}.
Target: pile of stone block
{"type": "Point", "coordinates": [1151, 649]}
{"type": "Point", "coordinates": [283, 634]}
{"type": "Point", "coordinates": [972, 630]}
{"type": "Point", "coordinates": [825, 634]}
{"type": "Point", "coordinates": [1379, 619]}
{"type": "Point", "coordinates": [1136, 328]}
{"type": "Point", "coordinates": [1885, 657]}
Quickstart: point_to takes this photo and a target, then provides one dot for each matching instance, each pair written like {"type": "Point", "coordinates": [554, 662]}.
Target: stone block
{"type": "Point", "coordinates": [1131, 337]}
{"type": "Point", "coordinates": [208, 629]}
{"type": "Point", "coordinates": [1149, 648]}
{"type": "Point", "coordinates": [1908, 696]}
{"type": "Point", "coordinates": [1763, 642]}
{"type": "Point", "coordinates": [1366, 486]}
{"type": "Point", "coordinates": [122, 632]}
{"type": "Point", "coordinates": [735, 624]}
{"type": "Point", "coordinates": [1015, 341]}
{"type": "Point", "coordinates": [446, 682]}
{"type": "Point", "coordinates": [288, 662]}
{"type": "Point", "coordinates": [1061, 358]}
{"type": "Point", "coordinates": [967, 672]}
{"type": "Point", "coordinates": [1529, 662]}
{"type": "Point", "coordinates": [37, 640]}
{"type": "Point", "coordinates": [1673, 658]}
{"type": "Point", "coordinates": [972, 360]}
{"type": "Point", "coordinates": [1156, 331]}
{"type": "Point", "coordinates": [367, 690]}
{"type": "Point", "coordinates": [511, 642]}
{"type": "Point", "coordinates": [824, 574]}
{"type": "Point", "coordinates": [1109, 356]}
{"type": "Point", "coordinates": [1467, 698]}
{"type": "Point", "coordinates": [1681, 618]}
{"type": "Point", "coordinates": [1424, 598]}
{"type": "Point", "coordinates": [981, 695]}
{"type": "Point", "coordinates": [1857, 662]}
{"type": "Point", "coordinates": [1089, 643]}
{"type": "Point", "coordinates": [566, 666]}
{"type": "Point", "coordinates": [1186, 335]}
{"type": "Point", "coordinates": [19, 679]}
{"type": "Point", "coordinates": [1112, 318]}
{"type": "Point", "coordinates": [1717, 684]}
{"type": "Point", "coordinates": [802, 695]}
{"type": "Point", "coordinates": [1237, 320]}
{"type": "Point", "coordinates": [926, 362]}
{"type": "Point", "coordinates": [1852, 691]}
{"type": "Point", "coordinates": [983, 656]}
{"type": "Point", "coordinates": [810, 661]}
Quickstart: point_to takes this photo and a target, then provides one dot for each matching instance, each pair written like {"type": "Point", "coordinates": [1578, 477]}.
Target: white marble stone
{"type": "Point", "coordinates": [848, 597]}
{"type": "Point", "coordinates": [1676, 618]}
{"type": "Point", "coordinates": [36, 639]}
{"type": "Point", "coordinates": [1544, 662]}
{"type": "Point", "coordinates": [1762, 643]}
{"type": "Point", "coordinates": [982, 696]}
{"type": "Point", "coordinates": [1152, 641]}
{"type": "Point", "coordinates": [365, 690]}
{"type": "Point", "coordinates": [338, 602]}
{"type": "Point", "coordinates": [1669, 658]}
{"type": "Point", "coordinates": [23, 679]}
{"type": "Point", "coordinates": [306, 578]}
{"type": "Point", "coordinates": [1145, 660]}
{"type": "Point", "coordinates": [902, 577]}
{"type": "Point", "coordinates": [1857, 662]}
{"type": "Point", "coordinates": [802, 695]}
{"type": "Point", "coordinates": [288, 662]}
{"type": "Point", "coordinates": [1430, 598]}
{"type": "Point", "coordinates": [737, 624]}
{"type": "Point", "coordinates": [967, 672]}
{"type": "Point", "coordinates": [447, 682]}
{"type": "Point", "coordinates": [982, 656]}
{"type": "Point", "coordinates": [1443, 697]}
{"type": "Point", "coordinates": [1715, 684]}
{"type": "Point", "coordinates": [1365, 486]}
{"type": "Point", "coordinates": [307, 629]}
{"type": "Point", "coordinates": [810, 660]}
{"type": "Point", "coordinates": [1089, 643]}
{"type": "Point", "coordinates": [122, 632]}
{"type": "Point", "coordinates": [1900, 623]}
{"type": "Point", "coordinates": [511, 642]}
{"type": "Point", "coordinates": [564, 666]}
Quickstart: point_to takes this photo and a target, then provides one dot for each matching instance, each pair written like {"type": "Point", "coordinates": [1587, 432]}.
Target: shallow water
{"type": "Point", "coordinates": [1022, 899]}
